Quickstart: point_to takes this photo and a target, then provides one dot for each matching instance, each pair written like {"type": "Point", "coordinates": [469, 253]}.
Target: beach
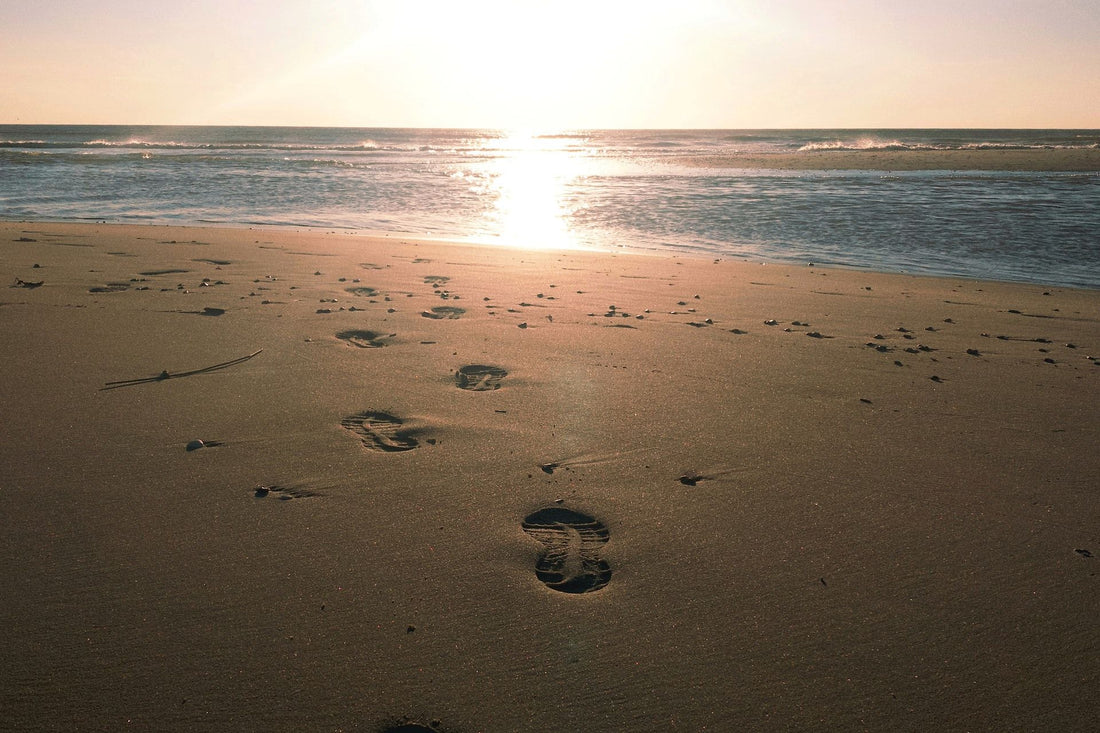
{"type": "Point", "coordinates": [286, 480]}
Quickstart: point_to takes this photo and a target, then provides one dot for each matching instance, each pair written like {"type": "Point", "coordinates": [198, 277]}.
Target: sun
{"type": "Point", "coordinates": [505, 64]}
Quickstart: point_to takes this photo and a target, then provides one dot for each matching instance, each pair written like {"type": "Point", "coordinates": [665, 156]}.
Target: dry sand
{"type": "Point", "coordinates": [783, 498]}
{"type": "Point", "coordinates": [1046, 159]}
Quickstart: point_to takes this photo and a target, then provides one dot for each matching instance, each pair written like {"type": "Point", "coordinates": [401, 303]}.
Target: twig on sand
{"type": "Point", "coordinates": [176, 375]}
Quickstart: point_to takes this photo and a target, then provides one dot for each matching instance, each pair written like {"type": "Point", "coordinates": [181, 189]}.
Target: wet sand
{"type": "Point", "coordinates": [1039, 160]}
{"type": "Point", "coordinates": [487, 489]}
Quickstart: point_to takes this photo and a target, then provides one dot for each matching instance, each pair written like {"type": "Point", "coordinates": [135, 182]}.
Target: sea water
{"type": "Point", "coordinates": [602, 189]}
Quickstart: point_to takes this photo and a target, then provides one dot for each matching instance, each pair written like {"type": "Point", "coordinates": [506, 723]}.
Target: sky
{"type": "Point", "coordinates": [565, 64]}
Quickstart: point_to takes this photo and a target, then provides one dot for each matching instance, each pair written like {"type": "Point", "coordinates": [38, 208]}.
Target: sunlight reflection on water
{"type": "Point", "coordinates": [529, 182]}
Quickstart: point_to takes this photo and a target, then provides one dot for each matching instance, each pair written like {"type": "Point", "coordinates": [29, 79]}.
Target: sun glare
{"type": "Point", "coordinates": [529, 180]}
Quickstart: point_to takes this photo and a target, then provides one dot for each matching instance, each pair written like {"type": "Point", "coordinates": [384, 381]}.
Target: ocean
{"type": "Point", "coordinates": [600, 189]}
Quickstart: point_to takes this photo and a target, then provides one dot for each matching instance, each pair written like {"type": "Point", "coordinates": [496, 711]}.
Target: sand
{"type": "Point", "coordinates": [488, 489]}
{"type": "Point", "coordinates": [981, 159]}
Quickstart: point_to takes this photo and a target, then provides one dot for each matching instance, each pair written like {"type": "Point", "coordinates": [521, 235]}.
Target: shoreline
{"type": "Point", "coordinates": [1074, 160]}
{"type": "Point", "coordinates": [419, 238]}
{"type": "Point", "coordinates": [465, 487]}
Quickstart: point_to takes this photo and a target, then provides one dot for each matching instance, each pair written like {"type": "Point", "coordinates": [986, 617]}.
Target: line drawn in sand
{"type": "Point", "coordinates": [177, 375]}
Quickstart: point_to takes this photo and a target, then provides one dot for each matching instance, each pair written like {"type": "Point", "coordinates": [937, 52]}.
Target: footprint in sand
{"type": "Point", "coordinates": [479, 377]}
{"type": "Point", "coordinates": [409, 728]}
{"type": "Point", "coordinates": [110, 288]}
{"type": "Point", "coordinates": [444, 311]}
{"type": "Point", "coordinates": [365, 339]}
{"type": "Point", "coordinates": [283, 493]}
{"type": "Point", "coordinates": [381, 432]}
{"type": "Point", "coordinates": [363, 292]}
{"type": "Point", "coordinates": [571, 540]}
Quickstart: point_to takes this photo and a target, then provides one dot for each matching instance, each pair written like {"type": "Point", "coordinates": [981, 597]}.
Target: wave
{"type": "Point", "coordinates": [864, 143]}
{"type": "Point", "coordinates": [876, 144]}
{"type": "Point", "coordinates": [135, 144]}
